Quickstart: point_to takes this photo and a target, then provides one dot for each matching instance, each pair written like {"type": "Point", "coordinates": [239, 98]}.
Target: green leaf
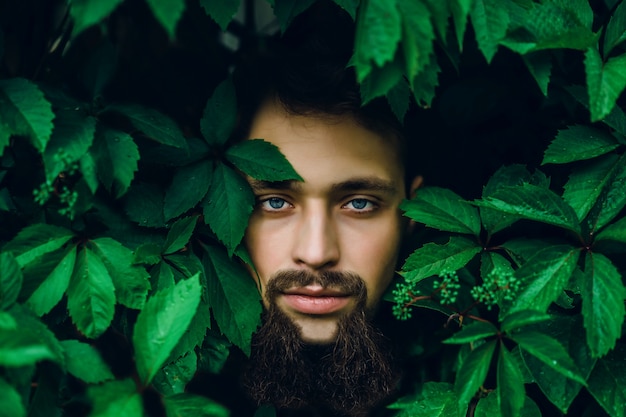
{"type": "Point", "coordinates": [85, 363]}
{"type": "Point", "coordinates": [24, 111]}
{"type": "Point", "coordinates": [115, 399]}
{"type": "Point", "coordinates": [612, 200]}
{"type": "Point", "coordinates": [287, 10]}
{"type": "Point", "coordinates": [440, 12]}
{"type": "Point", "coordinates": [488, 407]}
{"type": "Point", "coordinates": [91, 295]}
{"type": "Point", "coordinates": [549, 351]}
{"type": "Point", "coordinates": [71, 138]}
{"type": "Point", "coordinates": [50, 292]}
{"type": "Point", "coordinates": [86, 13]}
{"type": "Point", "coordinates": [189, 185]}
{"type": "Point", "coordinates": [533, 203]}
{"type": "Point", "coordinates": [12, 405]}
{"type": "Point", "coordinates": [144, 205]}
{"type": "Point", "coordinates": [510, 382]}
{"type": "Point", "coordinates": [444, 210]}
{"type": "Point", "coordinates": [182, 405]}
{"type": "Point", "coordinates": [607, 382]}
{"type": "Point", "coordinates": [172, 378]}
{"type": "Point", "coordinates": [222, 12]}
{"type": "Point", "coordinates": [418, 35]}
{"type": "Point", "coordinates": [167, 13]}
{"type": "Point", "coordinates": [605, 82]}
{"type": "Point", "coordinates": [195, 333]}
{"type": "Point", "coordinates": [213, 353]}
{"type": "Point", "coordinates": [577, 143]}
{"type": "Point", "coordinates": [10, 280]}
{"type": "Point", "coordinates": [473, 332]}
{"type": "Point", "coordinates": [615, 232]}
{"type": "Point", "coordinates": [131, 282]}
{"type": "Point", "coordinates": [399, 99]}
{"type": "Point", "coordinates": [228, 206]}
{"type": "Point", "coordinates": [490, 21]}
{"type": "Point", "coordinates": [19, 348]}
{"type": "Point", "coordinates": [433, 259]}
{"type": "Point", "coordinates": [152, 123]}
{"type": "Point", "coordinates": [615, 32]}
{"type": "Point", "coordinates": [472, 374]}
{"type": "Point", "coordinates": [261, 160]}
{"type": "Point", "coordinates": [349, 6]}
{"type": "Point", "coordinates": [603, 303]}
{"type": "Point", "coordinates": [380, 81]}
{"type": "Point", "coordinates": [220, 113]}
{"type": "Point", "coordinates": [523, 318]}
{"type": "Point", "coordinates": [543, 277]}
{"type": "Point", "coordinates": [161, 324]}
{"type": "Point", "coordinates": [148, 253]}
{"type": "Point", "coordinates": [87, 167]}
{"type": "Point", "coordinates": [233, 296]}
{"type": "Point", "coordinates": [179, 234]}
{"type": "Point", "coordinates": [436, 399]}
{"type": "Point", "coordinates": [460, 11]}
{"type": "Point", "coordinates": [378, 32]}
{"type": "Point", "coordinates": [36, 240]}
{"type": "Point", "coordinates": [27, 322]}
{"type": "Point", "coordinates": [116, 156]}
{"type": "Point", "coordinates": [539, 65]}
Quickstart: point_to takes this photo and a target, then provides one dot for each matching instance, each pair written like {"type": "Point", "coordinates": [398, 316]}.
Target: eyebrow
{"type": "Point", "coordinates": [353, 184]}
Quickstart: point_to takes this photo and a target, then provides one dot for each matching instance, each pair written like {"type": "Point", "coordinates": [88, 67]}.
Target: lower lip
{"type": "Point", "coordinates": [315, 305]}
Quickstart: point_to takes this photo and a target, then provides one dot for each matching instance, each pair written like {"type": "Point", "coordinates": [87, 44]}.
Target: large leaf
{"type": "Point", "coordinates": [161, 324]}
{"type": "Point", "coordinates": [220, 113]}
{"type": "Point", "coordinates": [12, 405]}
{"type": "Point", "coordinates": [605, 82]}
{"type": "Point", "coordinates": [613, 198]}
{"type": "Point", "coordinates": [607, 382]}
{"type": "Point", "coordinates": [91, 295]}
{"type": "Point", "coordinates": [116, 156]}
{"type": "Point", "coordinates": [488, 407]}
{"type": "Point", "coordinates": [261, 160]}
{"type": "Point", "coordinates": [539, 65]}
{"type": "Point", "coordinates": [381, 80]}
{"type": "Point", "coordinates": [24, 111]}
{"type": "Point", "coordinates": [473, 332]}
{"type": "Point", "coordinates": [472, 374]}
{"type": "Point", "coordinates": [182, 405]}
{"type": "Point", "coordinates": [228, 206]}
{"type": "Point", "coordinates": [603, 296]}
{"type": "Point", "coordinates": [84, 362]}
{"type": "Point", "coordinates": [189, 185]}
{"type": "Point", "coordinates": [615, 32]}
{"type": "Point", "coordinates": [523, 318]}
{"type": "Point", "coordinates": [510, 384]}
{"type": "Point", "coordinates": [287, 10]}
{"type": "Point", "coordinates": [490, 21]}
{"type": "Point", "coordinates": [20, 348]}
{"type": "Point", "coordinates": [233, 297]}
{"type": "Point", "coordinates": [116, 399]}
{"type": "Point", "coordinates": [168, 13]}
{"type": "Point", "coordinates": [51, 290]}
{"type": "Point", "coordinates": [10, 280]}
{"type": "Point", "coordinates": [418, 35]}
{"type": "Point", "coordinates": [222, 12]}
{"type": "Point", "coordinates": [86, 13]}
{"type": "Point", "coordinates": [543, 277]}
{"type": "Point", "coordinates": [433, 259]}
{"type": "Point", "coordinates": [436, 399]}
{"type": "Point", "coordinates": [577, 143]}
{"type": "Point", "coordinates": [442, 209]}
{"type": "Point", "coordinates": [36, 240]}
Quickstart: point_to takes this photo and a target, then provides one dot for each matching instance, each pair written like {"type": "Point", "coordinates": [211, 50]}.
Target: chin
{"type": "Point", "coordinates": [317, 330]}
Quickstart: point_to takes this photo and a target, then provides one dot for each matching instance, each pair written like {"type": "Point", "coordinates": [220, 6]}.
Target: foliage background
{"type": "Point", "coordinates": [121, 208]}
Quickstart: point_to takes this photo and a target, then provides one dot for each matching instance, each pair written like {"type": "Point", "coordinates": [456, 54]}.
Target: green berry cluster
{"type": "Point", "coordinates": [498, 286]}
{"type": "Point", "coordinates": [448, 288]}
{"type": "Point", "coordinates": [68, 199]}
{"type": "Point", "coordinates": [403, 296]}
{"type": "Point", "coordinates": [43, 193]}
{"type": "Point", "coordinates": [70, 166]}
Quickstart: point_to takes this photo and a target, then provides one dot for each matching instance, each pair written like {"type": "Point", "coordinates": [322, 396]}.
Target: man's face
{"type": "Point", "coordinates": [343, 218]}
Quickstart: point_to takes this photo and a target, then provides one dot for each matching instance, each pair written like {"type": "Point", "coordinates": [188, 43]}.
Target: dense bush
{"type": "Point", "coordinates": [122, 210]}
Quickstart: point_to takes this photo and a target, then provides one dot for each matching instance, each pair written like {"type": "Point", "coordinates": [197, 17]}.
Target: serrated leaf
{"type": "Point", "coordinates": [116, 156]}
{"type": "Point", "coordinates": [473, 332]}
{"type": "Point", "coordinates": [86, 13]}
{"type": "Point", "coordinates": [228, 206]}
{"type": "Point", "coordinates": [440, 12]}
{"type": "Point", "coordinates": [543, 277]}
{"type": "Point", "coordinates": [460, 10]}
{"type": "Point", "coordinates": [51, 290]}
{"type": "Point", "coordinates": [418, 35]}
{"type": "Point", "coordinates": [510, 384]}
{"type": "Point", "coordinates": [433, 259]}
{"type": "Point", "coordinates": [85, 363]}
{"type": "Point", "coordinates": [380, 81]}
{"type": "Point", "coordinates": [523, 318]}
{"type": "Point", "coordinates": [172, 378]}
{"type": "Point", "coordinates": [615, 232]}
{"type": "Point", "coordinates": [10, 280]}
{"type": "Point", "coordinates": [220, 113]}
{"type": "Point", "coordinates": [179, 234]}
{"type": "Point", "coordinates": [378, 32]}
{"type": "Point", "coordinates": [472, 374]}
{"type": "Point", "coordinates": [189, 185]}
{"type": "Point", "coordinates": [488, 407]}
{"type": "Point", "coordinates": [182, 405]}
{"type": "Point", "coordinates": [436, 399]}
{"type": "Point", "coordinates": [115, 399]}
{"type": "Point", "coordinates": [144, 205]}
{"type": "Point", "coordinates": [152, 123]}
{"type": "Point", "coordinates": [577, 143]}
{"type": "Point", "coordinates": [442, 209]}
{"type": "Point", "coordinates": [548, 351]}
{"type": "Point", "coordinates": [261, 160]}
{"type": "Point", "coordinates": [615, 32]}
{"type": "Point", "coordinates": [24, 111]}
{"type": "Point", "coordinates": [605, 82]}
{"type": "Point", "coordinates": [131, 282]}
{"type": "Point", "coordinates": [603, 303]}
{"type": "Point", "coordinates": [490, 21]}
{"type": "Point", "coordinates": [607, 382]}
{"type": "Point", "coordinates": [167, 13]}
{"type": "Point", "coordinates": [425, 82]}
{"type": "Point", "coordinates": [36, 240]}
{"type": "Point", "coordinates": [161, 324]}
{"type": "Point", "coordinates": [613, 198]}
{"type": "Point", "coordinates": [533, 203]}
{"type": "Point", "coordinates": [91, 295]}
{"type": "Point", "coordinates": [233, 297]}
{"type": "Point", "coordinates": [222, 12]}
{"type": "Point", "coordinates": [539, 65]}
{"type": "Point", "coordinates": [11, 401]}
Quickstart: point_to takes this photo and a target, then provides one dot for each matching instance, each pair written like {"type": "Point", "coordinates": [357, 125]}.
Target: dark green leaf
{"type": "Point", "coordinates": [488, 407]}
{"type": "Point", "coordinates": [87, 167]}
{"type": "Point", "coordinates": [182, 405]}
{"type": "Point", "coordinates": [425, 82]}
{"type": "Point", "coordinates": [11, 401]}
{"type": "Point", "coordinates": [144, 205]}
{"type": "Point", "coordinates": [473, 332]}
{"type": "Point", "coordinates": [615, 231]}
{"type": "Point", "coordinates": [436, 399]}
{"type": "Point", "coordinates": [20, 348]}
{"type": "Point", "coordinates": [490, 21]}
{"type": "Point", "coordinates": [213, 353]}
{"type": "Point", "coordinates": [399, 99]}
{"type": "Point", "coordinates": [607, 382]}
{"type": "Point", "coordinates": [510, 384]}
{"type": "Point", "coordinates": [24, 111]}
{"type": "Point", "coordinates": [228, 206]}
{"type": "Point", "coordinates": [349, 6]}
{"type": "Point", "coordinates": [444, 210]}
{"type": "Point", "coordinates": [10, 280]}
{"type": "Point", "coordinates": [168, 13]}
{"type": "Point", "coordinates": [116, 156]}
{"type": "Point", "coordinates": [172, 378]}
{"type": "Point", "coordinates": [380, 81]}
{"type": "Point", "coordinates": [287, 10]}
{"type": "Point", "coordinates": [460, 11]}
{"type": "Point", "coordinates": [472, 374]}
{"type": "Point", "coordinates": [539, 65]}
{"type": "Point", "coordinates": [577, 143]}
{"type": "Point", "coordinates": [418, 35]}
{"type": "Point", "coordinates": [612, 200]}
{"type": "Point", "coordinates": [50, 292]}
{"type": "Point", "coordinates": [85, 363]}
{"type": "Point", "coordinates": [261, 160]}
{"type": "Point", "coordinates": [148, 253]}
{"type": "Point", "coordinates": [222, 12]}
{"type": "Point", "coordinates": [615, 32]}
{"type": "Point", "coordinates": [265, 411]}
{"type": "Point", "coordinates": [522, 249]}
{"type": "Point", "coordinates": [440, 12]}
{"type": "Point", "coordinates": [36, 240]}
{"type": "Point", "coordinates": [161, 324]}
{"type": "Point", "coordinates": [523, 318]}
{"type": "Point", "coordinates": [179, 234]}
{"type": "Point", "coordinates": [27, 322]}
{"type": "Point", "coordinates": [91, 295]}
{"type": "Point", "coordinates": [233, 296]}
{"type": "Point", "coordinates": [195, 333]}
{"type": "Point", "coordinates": [605, 82]}
{"type": "Point", "coordinates": [433, 259]}
{"type": "Point", "coordinates": [603, 303]}
{"type": "Point", "coordinates": [86, 13]}
{"type": "Point", "coordinates": [115, 399]}
{"type": "Point", "coordinates": [220, 112]}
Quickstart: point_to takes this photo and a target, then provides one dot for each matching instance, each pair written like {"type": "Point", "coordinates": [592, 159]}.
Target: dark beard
{"type": "Point", "coordinates": [347, 377]}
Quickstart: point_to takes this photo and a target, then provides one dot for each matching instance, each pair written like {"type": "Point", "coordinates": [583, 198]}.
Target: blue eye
{"type": "Point", "coordinates": [359, 203]}
{"type": "Point", "coordinates": [276, 203]}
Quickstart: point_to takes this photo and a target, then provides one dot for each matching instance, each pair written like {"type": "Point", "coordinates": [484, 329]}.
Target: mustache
{"type": "Point", "coordinates": [347, 282]}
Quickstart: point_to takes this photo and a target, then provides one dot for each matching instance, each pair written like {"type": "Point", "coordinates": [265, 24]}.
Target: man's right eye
{"type": "Point", "coordinates": [273, 204]}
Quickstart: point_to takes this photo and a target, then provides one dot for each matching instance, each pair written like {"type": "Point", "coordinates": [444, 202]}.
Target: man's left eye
{"type": "Point", "coordinates": [360, 204]}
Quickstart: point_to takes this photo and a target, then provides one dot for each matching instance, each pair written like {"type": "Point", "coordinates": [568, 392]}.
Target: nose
{"type": "Point", "coordinates": [316, 243]}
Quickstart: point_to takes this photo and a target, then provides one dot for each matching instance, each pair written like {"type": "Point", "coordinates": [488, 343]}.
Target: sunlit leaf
{"type": "Point", "coordinates": [51, 290]}
{"type": "Point", "coordinates": [262, 161]}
